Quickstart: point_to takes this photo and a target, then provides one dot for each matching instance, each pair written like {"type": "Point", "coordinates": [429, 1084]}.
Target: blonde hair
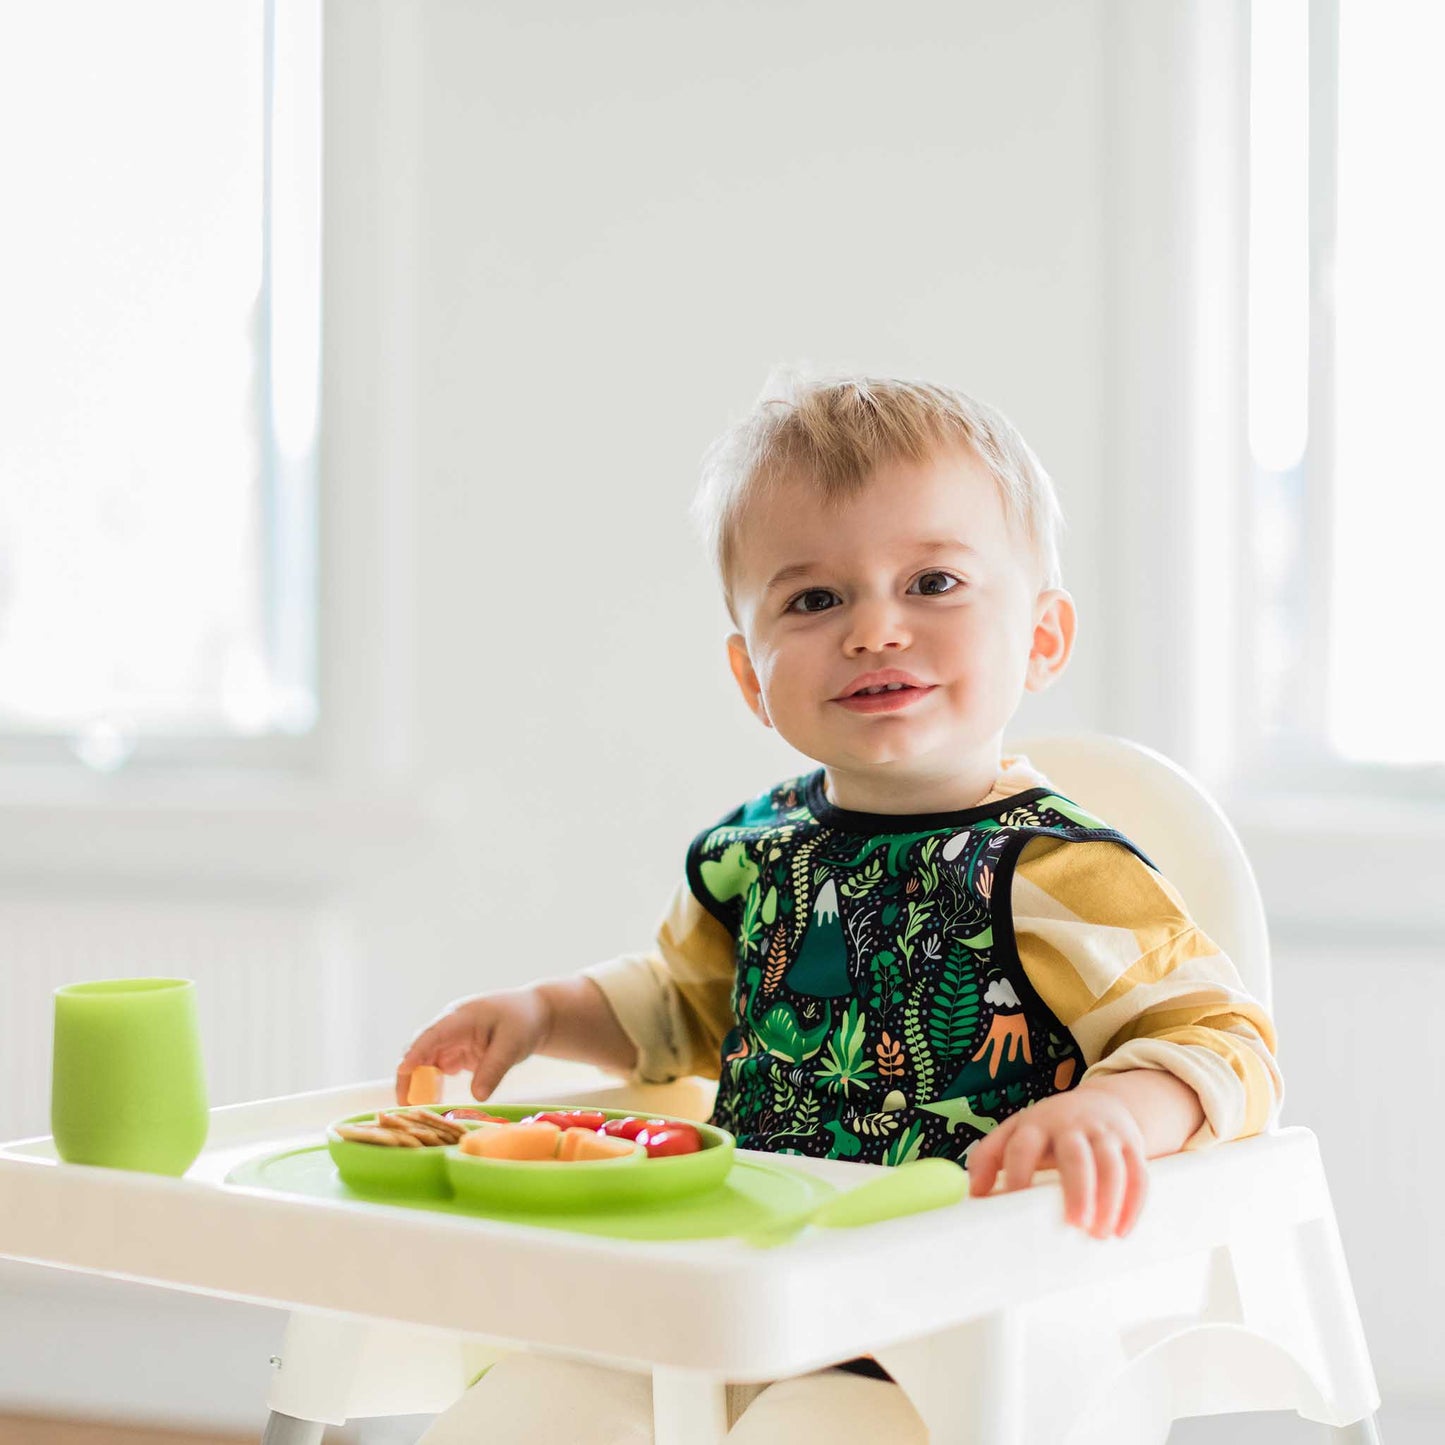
{"type": "Point", "coordinates": [834, 432]}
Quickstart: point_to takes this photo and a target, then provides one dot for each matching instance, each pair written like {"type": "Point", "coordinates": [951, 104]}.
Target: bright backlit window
{"type": "Point", "coordinates": [159, 364]}
{"type": "Point", "coordinates": [1347, 308]}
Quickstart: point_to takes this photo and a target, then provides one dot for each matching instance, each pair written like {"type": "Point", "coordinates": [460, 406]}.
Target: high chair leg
{"type": "Point", "coordinates": [688, 1408]}
{"type": "Point", "coordinates": [288, 1430]}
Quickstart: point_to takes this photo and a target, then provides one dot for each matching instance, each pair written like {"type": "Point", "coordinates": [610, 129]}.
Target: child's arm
{"type": "Point", "coordinates": [1177, 1054]}
{"type": "Point", "coordinates": [565, 1018]}
{"type": "Point", "coordinates": [656, 1016]}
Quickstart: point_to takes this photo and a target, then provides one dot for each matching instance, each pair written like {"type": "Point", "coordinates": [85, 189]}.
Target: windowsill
{"type": "Point", "coordinates": [224, 828]}
{"type": "Point", "coordinates": [1345, 865]}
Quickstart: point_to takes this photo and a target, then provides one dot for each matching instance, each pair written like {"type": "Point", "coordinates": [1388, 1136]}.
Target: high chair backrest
{"type": "Point", "coordinates": [1183, 830]}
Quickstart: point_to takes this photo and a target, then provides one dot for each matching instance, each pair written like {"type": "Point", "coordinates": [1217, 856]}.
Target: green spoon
{"type": "Point", "coordinates": [908, 1189]}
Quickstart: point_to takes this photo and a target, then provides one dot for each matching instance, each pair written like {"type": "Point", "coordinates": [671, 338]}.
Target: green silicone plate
{"type": "Point", "coordinates": [375, 1169]}
{"type": "Point", "coordinates": [755, 1194]}
{"type": "Point", "coordinates": [516, 1184]}
{"type": "Point", "coordinates": [439, 1173]}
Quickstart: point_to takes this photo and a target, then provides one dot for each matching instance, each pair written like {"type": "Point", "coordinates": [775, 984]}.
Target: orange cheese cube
{"type": "Point", "coordinates": [471, 1141]}
{"type": "Point", "coordinates": [424, 1086]}
{"type": "Point", "coordinates": [513, 1141]}
{"type": "Point", "coordinates": [588, 1144]}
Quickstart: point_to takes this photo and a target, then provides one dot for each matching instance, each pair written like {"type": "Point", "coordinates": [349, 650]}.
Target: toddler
{"type": "Point", "coordinates": [919, 948]}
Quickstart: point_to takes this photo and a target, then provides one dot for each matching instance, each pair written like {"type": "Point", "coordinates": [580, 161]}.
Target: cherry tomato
{"type": "Point", "coordinates": [667, 1139]}
{"type": "Point", "coordinates": [631, 1126]}
{"type": "Point", "coordinates": [592, 1119]}
{"type": "Point", "coordinates": [476, 1116]}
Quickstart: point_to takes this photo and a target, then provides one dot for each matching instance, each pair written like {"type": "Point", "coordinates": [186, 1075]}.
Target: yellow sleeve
{"type": "Point", "coordinates": [1111, 949]}
{"type": "Point", "coordinates": [675, 1003]}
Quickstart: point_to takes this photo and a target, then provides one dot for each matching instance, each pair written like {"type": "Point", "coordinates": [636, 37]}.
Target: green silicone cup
{"type": "Point", "coordinates": [633, 1180]}
{"type": "Point", "coordinates": [127, 1087]}
{"type": "Point", "coordinates": [381, 1170]}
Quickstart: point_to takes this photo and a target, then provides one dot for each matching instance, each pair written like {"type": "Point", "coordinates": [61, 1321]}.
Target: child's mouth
{"type": "Point", "coordinates": [889, 700]}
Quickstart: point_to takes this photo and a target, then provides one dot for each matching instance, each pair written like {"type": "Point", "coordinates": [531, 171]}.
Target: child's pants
{"type": "Point", "coordinates": [536, 1400]}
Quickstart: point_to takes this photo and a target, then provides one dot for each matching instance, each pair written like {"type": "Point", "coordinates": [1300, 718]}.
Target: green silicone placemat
{"type": "Point", "coordinates": [756, 1192]}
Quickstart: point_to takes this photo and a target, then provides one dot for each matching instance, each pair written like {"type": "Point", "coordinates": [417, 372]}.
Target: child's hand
{"type": "Point", "coordinates": [483, 1036]}
{"type": "Point", "coordinates": [1091, 1137]}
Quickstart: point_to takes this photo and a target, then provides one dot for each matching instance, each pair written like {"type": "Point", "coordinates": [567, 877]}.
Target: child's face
{"type": "Point", "coordinates": [920, 575]}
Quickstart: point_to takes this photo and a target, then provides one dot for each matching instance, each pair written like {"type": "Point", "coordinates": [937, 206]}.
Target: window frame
{"type": "Point", "coordinates": [1298, 762]}
{"type": "Point", "coordinates": [289, 484]}
{"type": "Point", "coordinates": [1337, 852]}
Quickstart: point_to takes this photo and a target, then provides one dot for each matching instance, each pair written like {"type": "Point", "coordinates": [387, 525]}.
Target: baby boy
{"type": "Point", "coordinates": [919, 948]}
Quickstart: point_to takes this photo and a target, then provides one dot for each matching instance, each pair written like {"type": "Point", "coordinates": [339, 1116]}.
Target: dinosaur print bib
{"type": "Point", "coordinates": [882, 1011]}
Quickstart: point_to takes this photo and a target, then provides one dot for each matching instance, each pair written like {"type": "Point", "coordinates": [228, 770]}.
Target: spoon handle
{"type": "Point", "coordinates": [908, 1189]}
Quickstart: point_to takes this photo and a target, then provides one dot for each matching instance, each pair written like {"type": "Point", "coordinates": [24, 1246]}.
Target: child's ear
{"type": "Point", "coordinates": [1054, 626]}
{"type": "Point", "coordinates": [747, 679]}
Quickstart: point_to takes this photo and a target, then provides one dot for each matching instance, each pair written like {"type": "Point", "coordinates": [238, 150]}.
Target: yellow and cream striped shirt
{"type": "Point", "coordinates": [1105, 940]}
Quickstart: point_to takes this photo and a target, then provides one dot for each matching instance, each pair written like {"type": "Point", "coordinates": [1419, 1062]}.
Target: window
{"type": "Point", "coordinates": [1347, 307]}
{"type": "Point", "coordinates": [159, 363]}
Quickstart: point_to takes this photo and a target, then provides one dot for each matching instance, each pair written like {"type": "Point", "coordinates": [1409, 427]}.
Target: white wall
{"type": "Point", "coordinates": [564, 245]}
{"type": "Point", "coordinates": [627, 214]}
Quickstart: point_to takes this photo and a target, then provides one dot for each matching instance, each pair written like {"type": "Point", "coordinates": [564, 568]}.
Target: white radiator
{"type": "Point", "coordinates": [270, 989]}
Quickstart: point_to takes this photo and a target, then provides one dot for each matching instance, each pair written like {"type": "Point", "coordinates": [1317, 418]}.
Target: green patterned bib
{"type": "Point", "coordinates": [882, 1011]}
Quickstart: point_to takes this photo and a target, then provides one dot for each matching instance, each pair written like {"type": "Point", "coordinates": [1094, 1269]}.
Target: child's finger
{"type": "Point", "coordinates": [1021, 1157]}
{"type": "Point", "coordinates": [984, 1159]}
{"type": "Point", "coordinates": [1109, 1162]}
{"type": "Point", "coordinates": [453, 1058]}
{"type": "Point", "coordinates": [501, 1051]}
{"type": "Point", "coordinates": [1136, 1190]}
{"type": "Point", "coordinates": [1076, 1173]}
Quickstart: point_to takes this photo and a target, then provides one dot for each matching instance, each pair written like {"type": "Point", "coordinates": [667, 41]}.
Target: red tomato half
{"type": "Point", "coordinates": [631, 1126]}
{"type": "Point", "coordinates": [667, 1139]}
{"type": "Point", "coordinates": [570, 1118]}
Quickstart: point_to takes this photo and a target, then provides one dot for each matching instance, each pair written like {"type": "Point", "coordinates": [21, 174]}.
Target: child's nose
{"type": "Point", "coordinates": [876, 626]}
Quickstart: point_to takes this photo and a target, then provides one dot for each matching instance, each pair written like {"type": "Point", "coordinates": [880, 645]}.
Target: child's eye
{"type": "Point", "coordinates": [815, 599]}
{"type": "Point", "coordinates": [936, 584]}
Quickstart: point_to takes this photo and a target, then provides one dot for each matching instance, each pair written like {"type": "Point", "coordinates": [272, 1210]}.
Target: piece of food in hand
{"type": "Point", "coordinates": [476, 1116]}
{"type": "Point", "coordinates": [580, 1143]}
{"type": "Point", "coordinates": [570, 1118]}
{"type": "Point", "coordinates": [631, 1126]}
{"type": "Point", "coordinates": [424, 1086]}
{"type": "Point", "coordinates": [515, 1141]}
{"type": "Point", "coordinates": [670, 1139]}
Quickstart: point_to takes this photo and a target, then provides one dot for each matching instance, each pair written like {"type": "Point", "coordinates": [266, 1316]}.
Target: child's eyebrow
{"type": "Point", "coordinates": [794, 570]}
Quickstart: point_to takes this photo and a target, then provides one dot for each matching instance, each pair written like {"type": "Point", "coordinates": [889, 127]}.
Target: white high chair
{"type": "Point", "coordinates": [1237, 1298]}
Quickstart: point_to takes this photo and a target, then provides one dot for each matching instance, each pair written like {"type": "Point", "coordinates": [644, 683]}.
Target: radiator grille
{"type": "Point", "coordinates": [268, 989]}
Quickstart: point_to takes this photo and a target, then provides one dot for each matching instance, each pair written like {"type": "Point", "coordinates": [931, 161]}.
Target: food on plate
{"type": "Point", "coordinates": [664, 1141]}
{"type": "Point", "coordinates": [660, 1137]}
{"type": "Point", "coordinates": [424, 1086]}
{"type": "Point", "coordinates": [406, 1129]}
{"type": "Point", "coordinates": [424, 1125]}
{"type": "Point", "coordinates": [570, 1118]}
{"type": "Point", "coordinates": [631, 1126]}
{"type": "Point", "coordinates": [572, 1135]}
{"type": "Point", "coordinates": [372, 1134]}
{"type": "Point", "coordinates": [516, 1141]}
{"type": "Point", "coordinates": [539, 1140]}
{"type": "Point", "coordinates": [583, 1143]}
